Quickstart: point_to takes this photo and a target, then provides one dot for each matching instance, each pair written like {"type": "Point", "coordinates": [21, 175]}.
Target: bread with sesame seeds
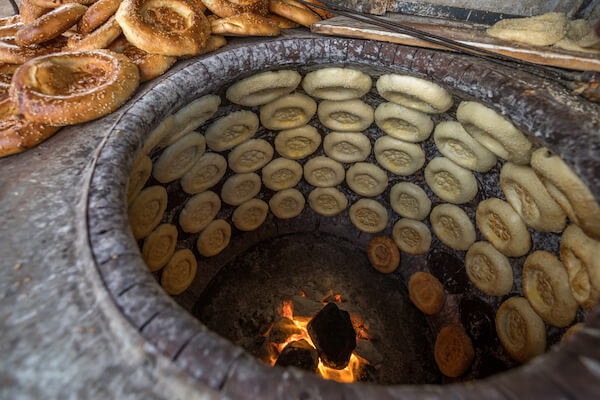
{"type": "Point", "coordinates": [246, 24]}
{"type": "Point", "coordinates": [73, 87]}
{"type": "Point", "coordinates": [50, 25]}
{"type": "Point", "coordinates": [17, 134]}
{"type": "Point", "coordinates": [12, 53]}
{"type": "Point", "coordinates": [229, 8]}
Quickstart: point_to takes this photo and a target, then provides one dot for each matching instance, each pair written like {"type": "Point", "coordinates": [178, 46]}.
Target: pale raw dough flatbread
{"type": "Point", "coordinates": [323, 172]}
{"type": "Point", "coordinates": [452, 225]}
{"type": "Point", "coordinates": [139, 175]}
{"type": "Point", "coordinates": [207, 172]}
{"type": "Point", "coordinates": [240, 188]}
{"type": "Point", "coordinates": [297, 143]}
{"type": "Point", "coordinates": [456, 144]}
{"type": "Point", "coordinates": [397, 156]}
{"type": "Point", "coordinates": [179, 158]}
{"type": "Point", "coordinates": [179, 273]}
{"type": "Point", "coordinates": [147, 210]}
{"type": "Point", "coordinates": [345, 116]}
{"type": "Point", "coordinates": [214, 238]}
{"type": "Point", "coordinates": [250, 215]}
{"type": "Point", "coordinates": [231, 130]}
{"type": "Point", "coordinates": [500, 224]}
{"type": "Point", "coordinates": [327, 201]}
{"type": "Point", "coordinates": [164, 129]}
{"type": "Point", "coordinates": [281, 173]}
{"type": "Point", "coordinates": [410, 201]}
{"type": "Point", "coordinates": [250, 156]}
{"type": "Point", "coordinates": [403, 123]}
{"type": "Point", "coordinates": [540, 30]}
{"type": "Point", "coordinates": [199, 211]}
{"type": "Point", "coordinates": [411, 236]}
{"type": "Point", "coordinates": [488, 269]}
{"type": "Point", "coordinates": [287, 203]}
{"type": "Point", "coordinates": [366, 179]}
{"type": "Point", "coordinates": [368, 216]}
{"type": "Point", "coordinates": [191, 116]}
{"type": "Point", "coordinates": [450, 182]}
{"type": "Point", "coordinates": [263, 87]}
{"type": "Point", "coordinates": [415, 93]}
{"type": "Point", "coordinates": [337, 83]}
{"type": "Point", "coordinates": [347, 147]}
{"type": "Point", "coordinates": [159, 246]}
{"type": "Point", "coordinates": [288, 112]}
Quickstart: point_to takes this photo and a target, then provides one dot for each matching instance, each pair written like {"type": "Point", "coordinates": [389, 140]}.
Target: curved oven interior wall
{"type": "Point", "coordinates": [241, 291]}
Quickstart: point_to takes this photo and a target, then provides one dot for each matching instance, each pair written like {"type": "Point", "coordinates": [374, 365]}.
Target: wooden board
{"type": "Point", "coordinates": [473, 35]}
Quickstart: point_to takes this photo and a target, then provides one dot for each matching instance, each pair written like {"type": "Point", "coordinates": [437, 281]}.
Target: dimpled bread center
{"type": "Point", "coordinates": [447, 182]}
{"type": "Point", "coordinates": [323, 174]}
{"type": "Point", "coordinates": [410, 237]}
{"type": "Point", "coordinates": [397, 157]}
{"type": "Point", "coordinates": [382, 254]}
{"type": "Point", "coordinates": [517, 330]}
{"type": "Point", "coordinates": [183, 159]}
{"type": "Point", "coordinates": [298, 143]}
{"type": "Point", "coordinates": [483, 269]}
{"type": "Point", "coordinates": [327, 202]}
{"type": "Point", "coordinates": [345, 117]}
{"type": "Point", "coordinates": [72, 81]}
{"type": "Point", "coordinates": [578, 276]}
{"type": "Point", "coordinates": [282, 175]}
{"type": "Point", "coordinates": [288, 114]}
{"type": "Point", "coordinates": [544, 288]}
{"type": "Point", "coordinates": [205, 174]}
{"type": "Point", "coordinates": [460, 150]}
{"type": "Point", "coordinates": [409, 203]}
{"type": "Point", "coordinates": [451, 227]}
{"type": "Point", "coordinates": [165, 19]}
{"type": "Point", "coordinates": [244, 188]}
{"type": "Point", "coordinates": [497, 226]}
{"type": "Point", "coordinates": [181, 271]}
{"type": "Point", "coordinates": [367, 217]}
{"type": "Point", "coordinates": [253, 215]}
{"type": "Point", "coordinates": [217, 239]}
{"type": "Point", "coordinates": [401, 125]}
{"type": "Point", "coordinates": [150, 210]}
{"type": "Point", "coordinates": [203, 212]}
{"type": "Point", "coordinates": [251, 157]}
{"type": "Point", "coordinates": [528, 206]}
{"type": "Point", "coordinates": [289, 204]}
{"type": "Point", "coordinates": [366, 181]}
{"type": "Point", "coordinates": [233, 132]}
{"type": "Point", "coordinates": [346, 148]}
{"type": "Point", "coordinates": [161, 247]}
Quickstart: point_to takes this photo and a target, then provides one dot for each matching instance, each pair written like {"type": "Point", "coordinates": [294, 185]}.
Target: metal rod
{"type": "Point", "coordinates": [14, 6]}
{"type": "Point", "coordinates": [542, 71]}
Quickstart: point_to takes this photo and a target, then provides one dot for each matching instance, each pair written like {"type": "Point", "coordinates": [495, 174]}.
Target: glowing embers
{"type": "Point", "coordinates": [318, 337]}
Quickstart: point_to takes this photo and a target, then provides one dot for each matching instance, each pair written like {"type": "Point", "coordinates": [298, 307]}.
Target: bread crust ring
{"type": "Point", "coordinates": [246, 24]}
{"type": "Point", "coordinates": [101, 38]}
{"type": "Point", "coordinates": [30, 12]}
{"type": "Point", "coordinates": [97, 14]}
{"type": "Point", "coordinates": [58, 3]}
{"type": "Point", "coordinates": [11, 20]}
{"type": "Point", "coordinates": [50, 25]}
{"type": "Point", "coordinates": [10, 30]}
{"type": "Point", "coordinates": [225, 8]}
{"type": "Point", "coordinates": [11, 53]}
{"type": "Point", "coordinates": [17, 134]}
{"type": "Point", "coordinates": [167, 27]}
{"type": "Point", "coordinates": [150, 65]}
{"type": "Point", "coordinates": [116, 83]}
{"type": "Point", "coordinates": [294, 11]}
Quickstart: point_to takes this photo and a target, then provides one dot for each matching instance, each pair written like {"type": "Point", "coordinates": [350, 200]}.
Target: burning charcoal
{"type": "Point", "coordinates": [283, 329]}
{"type": "Point", "coordinates": [299, 354]}
{"type": "Point", "coordinates": [305, 307]}
{"type": "Point", "coordinates": [365, 349]}
{"type": "Point", "coordinates": [333, 335]}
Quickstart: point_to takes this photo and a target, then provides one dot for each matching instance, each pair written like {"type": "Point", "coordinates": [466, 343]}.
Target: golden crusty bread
{"type": "Point", "coordinates": [226, 8]}
{"type": "Point", "coordinates": [73, 87]}
{"type": "Point", "coordinates": [50, 25]}
{"type": "Point", "coordinates": [246, 24]}
{"type": "Point", "coordinates": [97, 14]}
{"type": "Point", "coordinates": [29, 12]}
{"type": "Point", "coordinates": [150, 65]}
{"type": "Point", "coordinates": [17, 134]}
{"type": "Point", "coordinates": [283, 23]}
{"type": "Point", "coordinates": [101, 38]}
{"type": "Point", "coordinates": [294, 11]}
{"type": "Point", "coordinates": [176, 28]}
{"type": "Point", "coordinates": [58, 3]}
{"type": "Point", "coordinates": [12, 53]}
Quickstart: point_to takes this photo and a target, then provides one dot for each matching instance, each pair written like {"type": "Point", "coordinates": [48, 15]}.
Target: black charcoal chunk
{"type": "Point", "coordinates": [333, 335]}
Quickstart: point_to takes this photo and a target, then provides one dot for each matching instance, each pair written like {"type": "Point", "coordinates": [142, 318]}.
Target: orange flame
{"type": "Point", "coordinates": [346, 375]}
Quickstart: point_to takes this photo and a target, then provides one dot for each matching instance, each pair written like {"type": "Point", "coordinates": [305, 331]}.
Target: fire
{"type": "Point", "coordinates": [346, 375]}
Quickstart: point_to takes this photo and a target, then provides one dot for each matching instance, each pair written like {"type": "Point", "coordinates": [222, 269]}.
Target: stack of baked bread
{"type": "Point", "coordinates": [64, 62]}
